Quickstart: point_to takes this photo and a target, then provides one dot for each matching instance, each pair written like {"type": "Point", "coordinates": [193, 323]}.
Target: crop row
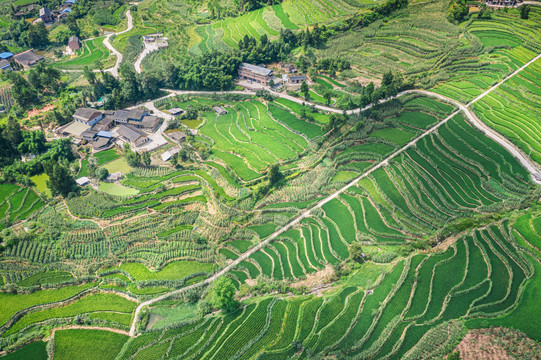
{"type": "Point", "coordinates": [388, 320]}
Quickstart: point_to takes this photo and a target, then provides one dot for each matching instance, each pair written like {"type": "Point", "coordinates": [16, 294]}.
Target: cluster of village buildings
{"type": "Point", "coordinates": [259, 74]}
{"type": "Point", "coordinates": [102, 129]}
{"type": "Point", "coordinates": [45, 15]}
{"type": "Point", "coordinates": [25, 59]}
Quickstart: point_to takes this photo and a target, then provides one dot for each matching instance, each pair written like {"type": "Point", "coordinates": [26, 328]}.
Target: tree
{"type": "Point", "coordinates": [38, 36]}
{"type": "Point", "coordinates": [91, 170]}
{"type": "Point", "coordinates": [23, 93]}
{"type": "Point", "coordinates": [146, 158]}
{"type": "Point", "coordinates": [221, 296]}
{"type": "Point", "coordinates": [356, 252]}
{"type": "Point", "coordinates": [33, 143]}
{"type": "Point", "coordinates": [524, 11]}
{"type": "Point", "coordinates": [305, 89]}
{"type": "Point", "coordinates": [12, 133]}
{"type": "Point", "coordinates": [457, 11]}
{"type": "Point", "coordinates": [60, 181]}
{"type": "Point", "coordinates": [102, 173]}
{"type": "Point", "coordinates": [327, 95]}
{"type": "Point", "coordinates": [274, 174]}
{"type": "Point", "coordinates": [174, 160]}
{"type": "Point", "coordinates": [89, 75]}
{"type": "Point", "coordinates": [387, 78]}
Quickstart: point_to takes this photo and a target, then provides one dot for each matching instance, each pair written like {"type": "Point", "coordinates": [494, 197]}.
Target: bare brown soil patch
{"type": "Point", "coordinates": [498, 344]}
{"type": "Point", "coordinates": [44, 109]}
{"type": "Point", "coordinates": [318, 279]}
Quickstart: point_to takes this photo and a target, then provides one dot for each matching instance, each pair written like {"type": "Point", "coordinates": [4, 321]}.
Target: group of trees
{"type": "Point", "coordinates": [391, 84]}
{"type": "Point", "coordinates": [332, 65]}
{"type": "Point", "coordinates": [217, 70]}
{"type": "Point", "coordinates": [41, 80]}
{"type": "Point", "coordinates": [457, 11]}
{"type": "Point", "coordinates": [61, 180]}
{"type": "Point", "coordinates": [16, 142]}
{"type": "Point", "coordinates": [24, 34]}
{"type": "Point", "coordinates": [129, 89]}
{"type": "Point", "coordinates": [136, 159]}
{"type": "Point", "coordinates": [364, 18]}
{"type": "Point", "coordinates": [249, 5]}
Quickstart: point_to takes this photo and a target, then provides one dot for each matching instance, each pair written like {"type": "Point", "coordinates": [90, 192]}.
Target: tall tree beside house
{"type": "Point", "coordinates": [305, 90]}
{"type": "Point", "coordinates": [145, 157]}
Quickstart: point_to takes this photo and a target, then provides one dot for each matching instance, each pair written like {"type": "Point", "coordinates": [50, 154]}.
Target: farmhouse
{"type": "Point", "coordinates": [135, 136]}
{"type": "Point", "coordinates": [298, 79]}
{"type": "Point", "coordinates": [148, 123]}
{"type": "Point", "coordinates": [82, 181]}
{"type": "Point", "coordinates": [104, 124]}
{"type": "Point", "coordinates": [220, 110]}
{"type": "Point", "coordinates": [27, 58]}
{"type": "Point", "coordinates": [255, 73]}
{"type": "Point", "coordinates": [5, 65]}
{"type": "Point", "coordinates": [116, 176]}
{"type": "Point", "coordinates": [64, 13]}
{"type": "Point", "coordinates": [176, 112]}
{"type": "Point", "coordinates": [289, 68]}
{"type": "Point", "coordinates": [74, 128]}
{"type": "Point", "coordinates": [166, 156]}
{"type": "Point", "coordinates": [121, 116]}
{"type": "Point", "coordinates": [101, 143]}
{"type": "Point", "coordinates": [46, 15]}
{"type": "Point", "coordinates": [87, 116]}
{"type": "Point", "coordinates": [6, 55]}
{"type": "Point", "coordinates": [74, 44]}
{"type": "Point", "coordinates": [89, 135]}
{"type": "Point", "coordinates": [178, 136]}
{"type": "Point", "coordinates": [501, 3]}
{"type": "Point", "coordinates": [137, 114]}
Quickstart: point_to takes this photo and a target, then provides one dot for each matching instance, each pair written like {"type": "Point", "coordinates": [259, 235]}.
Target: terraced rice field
{"type": "Point", "coordinates": [18, 203]}
{"type": "Point", "coordinates": [423, 45]}
{"type": "Point", "coordinates": [251, 137]}
{"type": "Point", "coordinates": [92, 51]}
{"type": "Point", "coordinates": [449, 175]}
{"type": "Point", "coordinates": [518, 42]}
{"type": "Point", "coordinates": [490, 273]}
{"type": "Point", "coordinates": [514, 110]}
{"type": "Point", "coordinates": [225, 34]}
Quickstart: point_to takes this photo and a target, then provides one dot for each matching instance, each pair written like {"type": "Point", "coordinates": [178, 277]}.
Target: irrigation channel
{"type": "Point", "coordinates": [525, 161]}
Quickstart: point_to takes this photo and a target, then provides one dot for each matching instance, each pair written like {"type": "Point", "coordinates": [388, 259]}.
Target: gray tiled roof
{"type": "Point", "coordinates": [27, 58]}
{"type": "Point", "coordinates": [256, 69]}
{"type": "Point", "coordinates": [86, 113]}
{"type": "Point", "coordinates": [122, 114]}
{"type": "Point", "coordinates": [130, 132]}
{"type": "Point", "coordinates": [297, 78]}
{"type": "Point", "coordinates": [137, 114]}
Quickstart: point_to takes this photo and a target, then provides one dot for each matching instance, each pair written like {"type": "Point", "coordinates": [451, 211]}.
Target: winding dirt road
{"type": "Point", "coordinates": [532, 167]}
{"type": "Point", "coordinates": [107, 43]}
